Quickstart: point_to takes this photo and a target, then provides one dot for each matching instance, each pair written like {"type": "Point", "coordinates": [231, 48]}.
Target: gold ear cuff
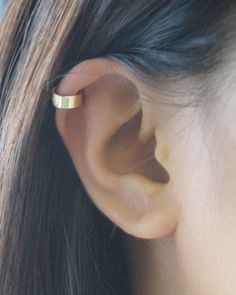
{"type": "Point", "coordinates": [71, 101]}
{"type": "Point", "coordinates": [66, 101]}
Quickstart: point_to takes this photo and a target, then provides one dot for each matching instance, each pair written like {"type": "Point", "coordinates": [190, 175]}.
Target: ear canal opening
{"type": "Point", "coordinates": [148, 166]}
{"type": "Point", "coordinates": [138, 157]}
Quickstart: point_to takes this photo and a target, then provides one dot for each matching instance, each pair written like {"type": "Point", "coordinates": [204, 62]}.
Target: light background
{"type": "Point", "coordinates": [1, 6]}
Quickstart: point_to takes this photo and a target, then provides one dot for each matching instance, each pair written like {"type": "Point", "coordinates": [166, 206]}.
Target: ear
{"type": "Point", "coordinates": [113, 148]}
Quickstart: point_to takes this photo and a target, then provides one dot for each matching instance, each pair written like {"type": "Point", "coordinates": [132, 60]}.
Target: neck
{"type": "Point", "coordinates": [190, 261]}
{"type": "Point", "coordinates": [154, 267]}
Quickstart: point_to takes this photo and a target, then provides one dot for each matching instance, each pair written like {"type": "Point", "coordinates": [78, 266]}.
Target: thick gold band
{"type": "Point", "coordinates": [66, 101]}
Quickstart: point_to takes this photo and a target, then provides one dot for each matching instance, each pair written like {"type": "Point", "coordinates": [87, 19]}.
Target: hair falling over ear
{"type": "Point", "coordinates": [53, 240]}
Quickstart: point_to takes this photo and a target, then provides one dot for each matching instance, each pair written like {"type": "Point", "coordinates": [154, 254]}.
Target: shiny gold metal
{"type": "Point", "coordinates": [66, 101]}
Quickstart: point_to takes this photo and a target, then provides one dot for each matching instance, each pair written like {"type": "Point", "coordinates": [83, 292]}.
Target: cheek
{"type": "Point", "coordinates": [223, 145]}
{"type": "Point", "coordinates": [206, 234]}
{"type": "Point", "coordinates": [225, 173]}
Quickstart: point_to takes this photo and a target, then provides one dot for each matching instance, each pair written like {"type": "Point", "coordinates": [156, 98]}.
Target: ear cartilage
{"type": "Point", "coordinates": [66, 101]}
{"type": "Point", "coordinates": [143, 96]}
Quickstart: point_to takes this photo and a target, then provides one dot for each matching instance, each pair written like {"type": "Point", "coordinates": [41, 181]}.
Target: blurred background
{"type": "Point", "coordinates": [1, 6]}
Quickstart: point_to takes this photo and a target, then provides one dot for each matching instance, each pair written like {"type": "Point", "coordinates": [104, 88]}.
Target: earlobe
{"type": "Point", "coordinates": [103, 139]}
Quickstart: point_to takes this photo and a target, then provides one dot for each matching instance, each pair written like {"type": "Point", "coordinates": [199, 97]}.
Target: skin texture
{"type": "Point", "coordinates": [180, 233]}
{"type": "Point", "coordinates": [199, 257]}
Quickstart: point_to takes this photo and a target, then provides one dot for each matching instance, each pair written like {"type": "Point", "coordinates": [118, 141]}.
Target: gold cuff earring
{"type": "Point", "coordinates": [71, 101]}
{"type": "Point", "coordinates": [66, 101]}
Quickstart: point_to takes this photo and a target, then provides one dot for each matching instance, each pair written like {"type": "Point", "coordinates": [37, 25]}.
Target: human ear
{"type": "Point", "coordinates": [107, 137]}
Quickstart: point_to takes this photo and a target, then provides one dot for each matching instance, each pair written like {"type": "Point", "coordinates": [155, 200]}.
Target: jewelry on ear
{"type": "Point", "coordinates": [71, 101]}
{"type": "Point", "coordinates": [66, 101]}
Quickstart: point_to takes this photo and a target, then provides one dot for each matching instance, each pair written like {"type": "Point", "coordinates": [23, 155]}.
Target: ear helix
{"type": "Point", "coordinates": [70, 101]}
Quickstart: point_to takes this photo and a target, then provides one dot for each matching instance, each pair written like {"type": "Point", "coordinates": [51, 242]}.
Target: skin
{"type": "Point", "coordinates": [191, 248]}
{"type": "Point", "coordinates": [199, 257]}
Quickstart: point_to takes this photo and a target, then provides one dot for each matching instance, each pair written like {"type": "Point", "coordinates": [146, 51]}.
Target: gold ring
{"type": "Point", "coordinates": [66, 101]}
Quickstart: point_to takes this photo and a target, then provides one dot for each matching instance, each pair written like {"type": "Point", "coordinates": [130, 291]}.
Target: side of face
{"type": "Point", "coordinates": [124, 147]}
{"type": "Point", "coordinates": [206, 186]}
